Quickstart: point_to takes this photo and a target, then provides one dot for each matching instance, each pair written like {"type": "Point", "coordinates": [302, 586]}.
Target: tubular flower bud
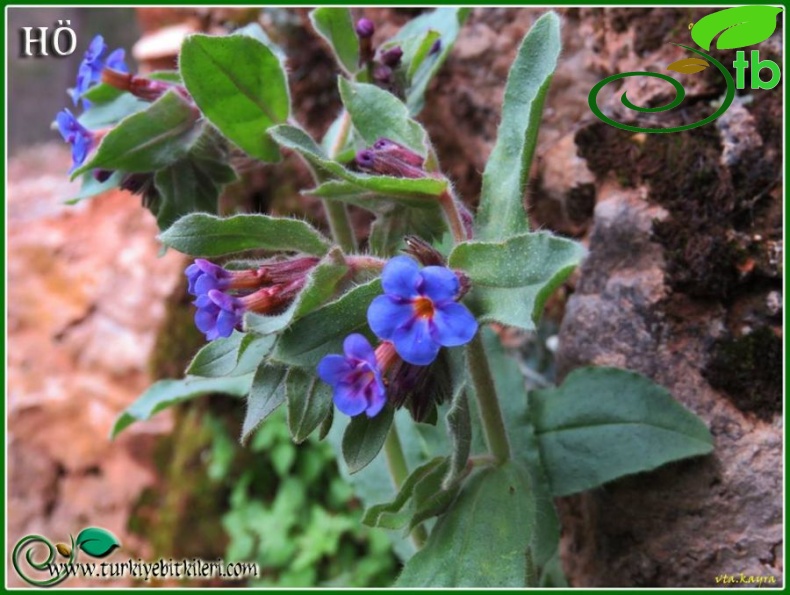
{"type": "Point", "coordinates": [389, 158]}
{"type": "Point", "coordinates": [264, 290]}
{"type": "Point", "coordinates": [392, 57]}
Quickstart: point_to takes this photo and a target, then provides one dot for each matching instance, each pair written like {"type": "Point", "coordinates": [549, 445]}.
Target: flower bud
{"type": "Point", "coordinates": [388, 158]}
{"type": "Point", "coordinates": [392, 57]}
{"type": "Point", "coordinates": [365, 28]}
{"type": "Point", "coordinates": [426, 254]}
{"type": "Point", "coordinates": [382, 74]}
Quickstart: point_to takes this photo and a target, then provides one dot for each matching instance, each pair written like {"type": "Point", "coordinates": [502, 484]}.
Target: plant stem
{"type": "Point", "coordinates": [399, 470]}
{"type": "Point", "coordinates": [336, 213]}
{"type": "Point", "coordinates": [447, 202]}
{"type": "Point", "coordinates": [490, 413]}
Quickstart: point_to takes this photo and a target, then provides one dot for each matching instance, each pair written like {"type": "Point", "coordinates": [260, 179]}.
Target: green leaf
{"type": "Point", "coordinates": [255, 31]}
{"type": "Point", "coordinates": [502, 213]}
{"type": "Point", "coordinates": [102, 115]}
{"type": "Point", "coordinates": [199, 234]}
{"type": "Point", "coordinates": [390, 515]}
{"type": "Point", "coordinates": [379, 193]}
{"type": "Point", "coordinates": [322, 331]}
{"type": "Point", "coordinates": [148, 140]}
{"type": "Point", "coordinates": [97, 542]}
{"type": "Point", "coordinates": [92, 187]}
{"type": "Point", "coordinates": [193, 183]}
{"type": "Point", "coordinates": [509, 383]}
{"type": "Point", "coordinates": [336, 26]}
{"type": "Point", "coordinates": [166, 393]}
{"type": "Point", "coordinates": [236, 355]}
{"type": "Point", "coordinates": [481, 541]}
{"type": "Point", "coordinates": [240, 86]}
{"type": "Point", "coordinates": [603, 423]}
{"type": "Point", "coordinates": [266, 395]}
{"type": "Point", "coordinates": [321, 285]}
{"type": "Point", "coordinates": [364, 438]}
{"type": "Point", "coordinates": [309, 403]}
{"type": "Point", "coordinates": [511, 280]}
{"type": "Point", "coordinates": [447, 22]}
{"type": "Point", "coordinates": [377, 113]}
{"type": "Point", "coordinates": [739, 26]}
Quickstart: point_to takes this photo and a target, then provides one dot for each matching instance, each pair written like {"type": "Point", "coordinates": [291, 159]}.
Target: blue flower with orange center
{"type": "Point", "coordinates": [355, 378]}
{"type": "Point", "coordinates": [419, 312]}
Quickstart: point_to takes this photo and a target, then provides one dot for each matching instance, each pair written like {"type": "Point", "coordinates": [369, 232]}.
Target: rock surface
{"type": "Point", "coordinates": [86, 294]}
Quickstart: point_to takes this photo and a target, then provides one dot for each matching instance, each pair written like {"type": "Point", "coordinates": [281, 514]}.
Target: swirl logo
{"type": "Point", "coordinates": [94, 541]}
{"type": "Point", "coordinates": [738, 27]}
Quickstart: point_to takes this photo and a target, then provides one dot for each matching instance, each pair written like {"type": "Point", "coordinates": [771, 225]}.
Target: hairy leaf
{"type": "Point", "coordinates": [266, 395]}
{"type": "Point", "coordinates": [511, 280]}
{"type": "Point", "coordinates": [199, 234]}
{"type": "Point", "coordinates": [148, 140]}
{"type": "Point", "coordinates": [376, 113]}
{"type": "Point", "coordinates": [243, 98]}
{"type": "Point", "coordinates": [483, 539]}
{"type": "Point", "coordinates": [309, 403]}
{"type": "Point", "coordinates": [336, 26]}
{"type": "Point", "coordinates": [166, 393]}
{"type": "Point", "coordinates": [364, 438]}
{"type": "Point", "coordinates": [502, 213]}
{"type": "Point", "coordinates": [322, 331]}
{"type": "Point", "coordinates": [603, 423]}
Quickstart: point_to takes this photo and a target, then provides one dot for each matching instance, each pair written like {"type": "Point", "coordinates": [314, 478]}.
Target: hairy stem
{"type": "Point", "coordinates": [336, 213]}
{"type": "Point", "coordinates": [490, 413]}
{"type": "Point", "coordinates": [450, 208]}
{"type": "Point", "coordinates": [361, 262]}
{"type": "Point", "coordinates": [399, 470]}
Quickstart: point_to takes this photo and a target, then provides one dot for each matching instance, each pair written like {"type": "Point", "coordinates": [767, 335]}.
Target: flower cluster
{"type": "Point", "coordinates": [81, 139]}
{"type": "Point", "coordinates": [93, 64]}
{"type": "Point", "coordinates": [222, 296]}
{"type": "Point", "coordinates": [384, 67]}
{"type": "Point", "coordinates": [417, 315]}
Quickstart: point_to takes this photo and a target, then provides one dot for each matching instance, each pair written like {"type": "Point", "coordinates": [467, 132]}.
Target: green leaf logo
{"type": "Point", "coordinates": [97, 542]}
{"type": "Point", "coordinates": [739, 27]}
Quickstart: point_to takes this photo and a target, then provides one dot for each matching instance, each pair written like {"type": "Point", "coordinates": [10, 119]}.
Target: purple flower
{"type": "Point", "coordinates": [355, 378]}
{"type": "Point", "coordinates": [418, 311]}
{"type": "Point", "coordinates": [90, 69]}
{"type": "Point", "coordinates": [80, 138]}
{"type": "Point", "coordinates": [203, 276]}
{"type": "Point", "coordinates": [218, 314]}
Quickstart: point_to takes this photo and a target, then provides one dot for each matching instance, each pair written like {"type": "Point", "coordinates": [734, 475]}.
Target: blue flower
{"type": "Point", "coordinates": [80, 138]}
{"type": "Point", "coordinates": [218, 314]}
{"type": "Point", "coordinates": [90, 69]}
{"type": "Point", "coordinates": [116, 61]}
{"type": "Point", "coordinates": [418, 311]}
{"type": "Point", "coordinates": [203, 276]}
{"type": "Point", "coordinates": [355, 378]}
